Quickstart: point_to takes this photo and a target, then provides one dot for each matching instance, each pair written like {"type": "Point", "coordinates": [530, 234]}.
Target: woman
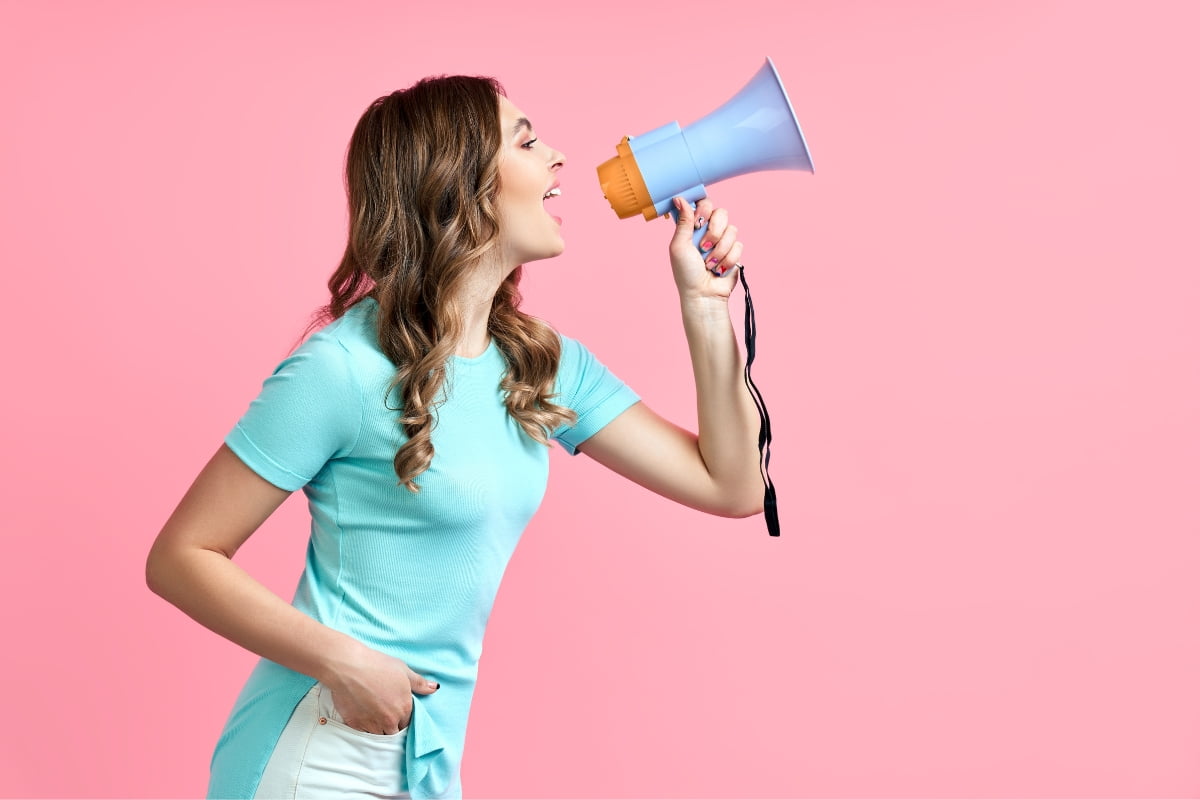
{"type": "Point", "coordinates": [417, 422]}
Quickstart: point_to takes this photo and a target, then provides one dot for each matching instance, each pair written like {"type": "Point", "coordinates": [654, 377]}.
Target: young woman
{"type": "Point", "coordinates": [417, 422]}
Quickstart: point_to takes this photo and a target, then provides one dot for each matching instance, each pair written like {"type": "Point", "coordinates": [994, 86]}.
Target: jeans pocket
{"type": "Point", "coordinates": [328, 715]}
{"type": "Point", "coordinates": [343, 762]}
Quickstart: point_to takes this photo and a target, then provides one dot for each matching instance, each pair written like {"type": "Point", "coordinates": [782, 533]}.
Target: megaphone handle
{"type": "Point", "coordinates": [698, 236]}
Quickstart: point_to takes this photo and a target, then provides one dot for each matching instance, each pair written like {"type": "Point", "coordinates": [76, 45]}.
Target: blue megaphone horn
{"type": "Point", "coordinates": [753, 131]}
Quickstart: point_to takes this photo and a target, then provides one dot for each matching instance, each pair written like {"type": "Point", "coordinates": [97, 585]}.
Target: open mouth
{"type": "Point", "coordinates": [554, 192]}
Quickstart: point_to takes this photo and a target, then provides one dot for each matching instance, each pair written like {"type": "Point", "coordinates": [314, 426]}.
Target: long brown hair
{"type": "Point", "coordinates": [422, 180]}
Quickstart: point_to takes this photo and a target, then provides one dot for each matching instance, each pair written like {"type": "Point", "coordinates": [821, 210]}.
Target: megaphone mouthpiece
{"type": "Point", "coordinates": [622, 184]}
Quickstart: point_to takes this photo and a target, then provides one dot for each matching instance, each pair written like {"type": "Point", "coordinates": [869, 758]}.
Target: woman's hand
{"type": "Point", "coordinates": [693, 277]}
{"type": "Point", "coordinates": [375, 694]}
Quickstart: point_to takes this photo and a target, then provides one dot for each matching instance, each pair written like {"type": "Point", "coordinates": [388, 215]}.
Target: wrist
{"type": "Point", "coordinates": [347, 655]}
{"type": "Point", "coordinates": [704, 307]}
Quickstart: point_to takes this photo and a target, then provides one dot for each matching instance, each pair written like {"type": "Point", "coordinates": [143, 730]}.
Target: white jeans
{"type": "Point", "coordinates": [320, 756]}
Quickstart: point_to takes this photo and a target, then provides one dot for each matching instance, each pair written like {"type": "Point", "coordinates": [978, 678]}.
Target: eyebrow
{"type": "Point", "coordinates": [522, 123]}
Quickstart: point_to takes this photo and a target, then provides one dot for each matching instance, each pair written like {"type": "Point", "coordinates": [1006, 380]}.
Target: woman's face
{"type": "Point", "coordinates": [528, 180]}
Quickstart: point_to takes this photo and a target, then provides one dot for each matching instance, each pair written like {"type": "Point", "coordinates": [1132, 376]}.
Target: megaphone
{"type": "Point", "coordinates": [753, 131]}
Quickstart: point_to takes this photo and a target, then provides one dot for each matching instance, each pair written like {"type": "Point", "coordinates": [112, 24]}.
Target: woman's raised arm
{"type": "Point", "coordinates": [717, 470]}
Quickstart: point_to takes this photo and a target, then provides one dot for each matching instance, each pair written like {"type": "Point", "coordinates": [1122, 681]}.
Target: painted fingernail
{"type": "Point", "coordinates": [699, 223]}
{"type": "Point", "coordinates": [713, 261]}
{"type": "Point", "coordinates": [706, 245]}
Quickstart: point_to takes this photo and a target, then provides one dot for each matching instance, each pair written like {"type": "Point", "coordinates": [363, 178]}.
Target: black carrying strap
{"type": "Point", "coordinates": [764, 427]}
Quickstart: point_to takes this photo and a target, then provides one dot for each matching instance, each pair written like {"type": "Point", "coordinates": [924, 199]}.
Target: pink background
{"type": "Point", "coordinates": [979, 345]}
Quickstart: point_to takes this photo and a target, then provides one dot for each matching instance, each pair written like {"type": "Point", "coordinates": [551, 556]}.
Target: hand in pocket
{"type": "Point", "coordinates": [375, 695]}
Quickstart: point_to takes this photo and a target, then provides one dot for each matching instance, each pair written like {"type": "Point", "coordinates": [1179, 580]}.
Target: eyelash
{"type": "Point", "coordinates": [529, 145]}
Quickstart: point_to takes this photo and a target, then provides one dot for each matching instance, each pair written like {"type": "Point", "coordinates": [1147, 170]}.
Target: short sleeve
{"type": "Point", "coordinates": [309, 411]}
{"type": "Point", "coordinates": [588, 388]}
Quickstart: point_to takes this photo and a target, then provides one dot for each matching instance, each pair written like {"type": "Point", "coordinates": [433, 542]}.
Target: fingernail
{"type": "Point", "coordinates": [678, 203]}
{"type": "Point", "coordinates": [706, 245]}
{"type": "Point", "coordinates": [699, 223]}
{"type": "Point", "coordinates": [713, 261]}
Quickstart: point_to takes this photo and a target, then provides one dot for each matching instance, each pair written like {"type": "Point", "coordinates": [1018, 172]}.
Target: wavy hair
{"type": "Point", "coordinates": [422, 179]}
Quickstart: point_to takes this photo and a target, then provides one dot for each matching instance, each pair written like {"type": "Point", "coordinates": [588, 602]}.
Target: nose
{"type": "Point", "coordinates": [557, 159]}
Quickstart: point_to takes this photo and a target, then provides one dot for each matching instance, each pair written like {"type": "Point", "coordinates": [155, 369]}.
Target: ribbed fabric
{"type": "Point", "coordinates": [412, 575]}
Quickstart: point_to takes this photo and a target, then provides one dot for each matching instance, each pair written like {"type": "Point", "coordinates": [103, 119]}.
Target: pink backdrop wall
{"type": "Point", "coordinates": [979, 344]}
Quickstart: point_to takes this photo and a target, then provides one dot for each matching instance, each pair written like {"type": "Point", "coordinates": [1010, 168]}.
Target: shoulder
{"type": "Point", "coordinates": [351, 332]}
{"type": "Point", "coordinates": [574, 357]}
{"type": "Point", "coordinates": [581, 373]}
{"type": "Point", "coordinates": [573, 350]}
{"type": "Point", "coordinates": [570, 349]}
{"type": "Point", "coordinates": [348, 345]}
{"type": "Point", "coordinates": [310, 409]}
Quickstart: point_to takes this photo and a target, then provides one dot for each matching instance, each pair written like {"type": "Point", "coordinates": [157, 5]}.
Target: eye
{"type": "Point", "coordinates": [529, 145]}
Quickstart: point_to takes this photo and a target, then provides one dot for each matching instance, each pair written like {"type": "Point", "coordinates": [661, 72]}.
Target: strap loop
{"type": "Point", "coordinates": [770, 511]}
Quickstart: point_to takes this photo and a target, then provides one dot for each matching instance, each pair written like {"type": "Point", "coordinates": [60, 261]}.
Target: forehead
{"type": "Point", "coordinates": [509, 114]}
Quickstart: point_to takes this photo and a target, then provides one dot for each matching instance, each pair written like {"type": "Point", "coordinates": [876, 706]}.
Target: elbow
{"type": "Point", "coordinates": [155, 571]}
{"type": "Point", "coordinates": [172, 566]}
{"type": "Point", "coordinates": [746, 510]}
{"type": "Point", "coordinates": [748, 504]}
{"type": "Point", "coordinates": [163, 566]}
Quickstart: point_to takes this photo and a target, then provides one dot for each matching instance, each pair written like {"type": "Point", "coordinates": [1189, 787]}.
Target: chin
{"type": "Point", "coordinates": [550, 251]}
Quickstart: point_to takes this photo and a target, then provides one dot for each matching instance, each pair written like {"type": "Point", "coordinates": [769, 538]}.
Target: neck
{"type": "Point", "coordinates": [475, 306]}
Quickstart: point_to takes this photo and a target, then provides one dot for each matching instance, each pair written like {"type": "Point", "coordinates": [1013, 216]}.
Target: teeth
{"type": "Point", "coordinates": [552, 193]}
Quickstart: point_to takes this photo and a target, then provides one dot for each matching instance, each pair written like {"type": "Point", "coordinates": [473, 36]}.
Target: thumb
{"type": "Point", "coordinates": [686, 226]}
{"type": "Point", "coordinates": [421, 685]}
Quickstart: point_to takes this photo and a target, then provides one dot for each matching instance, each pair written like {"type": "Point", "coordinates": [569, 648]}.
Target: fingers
{"type": "Point", "coordinates": [698, 216]}
{"type": "Point", "coordinates": [422, 685]}
{"type": "Point", "coordinates": [394, 727]}
{"type": "Point", "coordinates": [377, 719]}
{"type": "Point", "coordinates": [720, 250]}
{"type": "Point", "coordinates": [722, 266]}
{"type": "Point", "coordinates": [379, 697]}
{"type": "Point", "coordinates": [686, 223]}
{"type": "Point", "coordinates": [372, 715]}
{"type": "Point", "coordinates": [723, 250]}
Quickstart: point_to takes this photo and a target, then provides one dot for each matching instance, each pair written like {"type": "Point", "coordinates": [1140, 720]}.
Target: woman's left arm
{"type": "Point", "coordinates": [717, 470]}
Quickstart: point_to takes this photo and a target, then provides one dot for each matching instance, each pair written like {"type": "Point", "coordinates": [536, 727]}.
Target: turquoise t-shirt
{"type": "Point", "coordinates": [412, 575]}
